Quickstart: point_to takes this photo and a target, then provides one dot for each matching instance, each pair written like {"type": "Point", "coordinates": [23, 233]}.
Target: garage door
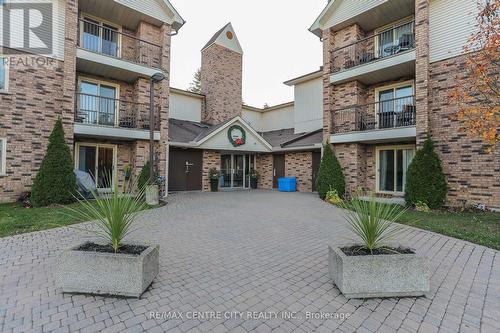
{"type": "Point", "coordinates": [185, 170]}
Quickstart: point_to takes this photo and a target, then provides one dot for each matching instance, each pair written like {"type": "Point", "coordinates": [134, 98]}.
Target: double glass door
{"type": "Point", "coordinates": [235, 170]}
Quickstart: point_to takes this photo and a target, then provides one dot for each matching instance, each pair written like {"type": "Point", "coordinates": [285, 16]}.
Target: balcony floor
{"type": "Point", "coordinates": [385, 69]}
{"type": "Point", "coordinates": [401, 134]}
{"type": "Point", "coordinates": [111, 67]}
{"type": "Point", "coordinates": [110, 132]}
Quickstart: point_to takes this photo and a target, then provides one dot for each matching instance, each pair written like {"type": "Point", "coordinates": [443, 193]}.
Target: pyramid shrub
{"type": "Point", "coordinates": [55, 182]}
{"type": "Point", "coordinates": [330, 175]}
{"type": "Point", "coordinates": [425, 181]}
{"type": "Point", "coordinates": [144, 176]}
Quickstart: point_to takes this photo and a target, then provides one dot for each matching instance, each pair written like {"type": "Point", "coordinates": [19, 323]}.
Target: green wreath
{"type": "Point", "coordinates": [238, 142]}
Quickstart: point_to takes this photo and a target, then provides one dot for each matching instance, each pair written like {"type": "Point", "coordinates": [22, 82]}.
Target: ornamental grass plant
{"type": "Point", "coordinates": [114, 213]}
{"type": "Point", "coordinates": [373, 222]}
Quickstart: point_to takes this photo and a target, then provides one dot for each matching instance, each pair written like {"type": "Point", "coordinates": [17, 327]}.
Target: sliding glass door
{"type": "Point", "coordinates": [98, 162]}
{"type": "Point", "coordinates": [392, 164]}
{"type": "Point", "coordinates": [97, 103]}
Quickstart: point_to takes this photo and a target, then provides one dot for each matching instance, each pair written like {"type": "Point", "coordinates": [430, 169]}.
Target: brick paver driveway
{"type": "Point", "coordinates": [226, 254]}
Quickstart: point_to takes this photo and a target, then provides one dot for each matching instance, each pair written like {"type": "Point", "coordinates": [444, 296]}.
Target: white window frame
{"type": "Point", "coordinates": [101, 22]}
{"type": "Point", "coordinates": [393, 86]}
{"type": "Point", "coordinates": [387, 27]}
{"type": "Point", "coordinates": [377, 167]}
{"type": "Point", "coordinates": [5, 63]}
{"type": "Point", "coordinates": [97, 146]}
{"type": "Point", "coordinates": [106, 83]}
{"type": "Point", "coordinates": [3, 157]}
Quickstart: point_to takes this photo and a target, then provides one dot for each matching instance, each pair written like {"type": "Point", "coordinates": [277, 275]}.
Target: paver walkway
{"type": "Point", "coordinates": [224, 255]}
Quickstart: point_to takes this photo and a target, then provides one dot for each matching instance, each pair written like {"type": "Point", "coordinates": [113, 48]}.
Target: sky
{"type": "Point", "coordinates": [274, 36]}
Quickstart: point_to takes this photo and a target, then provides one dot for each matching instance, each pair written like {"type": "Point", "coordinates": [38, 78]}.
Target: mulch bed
{"type": "Point", "coordinates": [124, 249]}
{"type": "Point", "coordinates": [362, 251]}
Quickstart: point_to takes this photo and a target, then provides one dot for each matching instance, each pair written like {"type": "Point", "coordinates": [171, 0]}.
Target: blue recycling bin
{"type": "Point", "coordinates": [288, 184]}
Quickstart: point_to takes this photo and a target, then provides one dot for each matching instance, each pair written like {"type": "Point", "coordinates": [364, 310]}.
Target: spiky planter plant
{"type": "Point", "coordinates": [371, 265]}
{"type": "Point", "coordinates": [108, 265]}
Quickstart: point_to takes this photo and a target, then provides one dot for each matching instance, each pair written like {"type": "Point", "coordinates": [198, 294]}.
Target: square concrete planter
{"type": "Point", "coordinates": [102, 273]}
{"type": "Point", "coordinates": [391, 275]}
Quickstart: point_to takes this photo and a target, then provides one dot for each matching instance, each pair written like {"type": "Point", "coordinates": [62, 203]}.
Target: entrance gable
{"type": "Point", "coordinates": [235, 135]}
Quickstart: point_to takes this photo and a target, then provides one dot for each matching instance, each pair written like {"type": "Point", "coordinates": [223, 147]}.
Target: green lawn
{"type": "Point", "coordinates": [15, 219]}
{"type": "Point", "coordinates": [479, 228]}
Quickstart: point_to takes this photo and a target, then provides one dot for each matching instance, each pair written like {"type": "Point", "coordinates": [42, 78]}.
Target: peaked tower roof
{"type": "Point", "coordinates": [227, 38]}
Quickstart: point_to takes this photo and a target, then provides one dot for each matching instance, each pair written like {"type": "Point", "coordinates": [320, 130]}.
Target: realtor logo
{"type": "Point", "coordinates": [28, 27]}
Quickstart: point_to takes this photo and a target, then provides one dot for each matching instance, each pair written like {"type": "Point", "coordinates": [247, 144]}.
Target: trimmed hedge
{"type": "Point", "coordinates": [330, 175]}
{"type": "Point", "coordinates": [55, 182]}
{"type": "Point", "coordinates": [425, 181]}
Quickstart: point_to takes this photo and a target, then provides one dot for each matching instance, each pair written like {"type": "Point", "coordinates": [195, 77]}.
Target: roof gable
{"type": "Point", "coordinates": [227, 38]}
{"type": "Point", "coordinates": [339, 11]}
{"type": "Point", "coordinates": [217, 138]}
{"type": "Point", "coordinates": [161, 10]}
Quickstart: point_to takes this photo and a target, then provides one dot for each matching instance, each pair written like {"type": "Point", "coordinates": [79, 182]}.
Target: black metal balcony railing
{"type": "Point", "coordinates": [393, 113]}
{"type": "Point", "coordinates": [104, 111]}
{"type": "Point", "coordinates": [109, 41]}
{"type": "Point", "coordinates": [379, 46]}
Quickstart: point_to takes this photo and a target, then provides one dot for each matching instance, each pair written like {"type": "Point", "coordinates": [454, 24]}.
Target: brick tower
{"type": "Point", "coordinates": [221, 76]}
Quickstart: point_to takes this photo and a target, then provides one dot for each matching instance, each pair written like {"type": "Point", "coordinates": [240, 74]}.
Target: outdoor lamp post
{"type": "Point", "coordinates": [158, 77]}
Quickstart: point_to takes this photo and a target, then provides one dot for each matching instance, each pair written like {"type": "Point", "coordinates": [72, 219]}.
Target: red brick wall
{"type": "Point", "coordinates": [299, 165]}
{"type": "Point", "coordinates": [472, 174]}
{"type": "Point", "coordinates": [221, 82]}
{"type": "Point", "coordinates": [265, 169]}
{"type": "Point", "coordinates": [211, 159]}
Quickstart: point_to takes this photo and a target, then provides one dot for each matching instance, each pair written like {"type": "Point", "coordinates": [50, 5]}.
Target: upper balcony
{"type": "Point", "coordinates": [98, 116]}
{"type": "Point", "coordinates": [104, 50]}
{"type": "Point", "coordinates": [387, 120]}
{"type": "Point", "coordinates": [384, 56]}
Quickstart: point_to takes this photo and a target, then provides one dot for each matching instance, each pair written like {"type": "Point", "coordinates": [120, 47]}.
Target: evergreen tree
{"type": "Point", "coordinates": [55, 182]}
{"type": "Point", "coordinates": [425, 181]}
{"type": "Point", "coordinates": [330, 174]}
{"type": "Point", "coordinates": [195, 85]}
{"type": "Point", "coordinates": [144, 176]}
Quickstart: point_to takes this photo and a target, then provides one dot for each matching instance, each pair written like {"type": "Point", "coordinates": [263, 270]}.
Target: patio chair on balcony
{"type": "Point", "coordinates": [406, 117]}
{"type": "Point", "coordinates": [366, 57]}
{"type": "Point", "coordinates": [405, 42]}
{"type": "Point", "coordinates": [349, 64]}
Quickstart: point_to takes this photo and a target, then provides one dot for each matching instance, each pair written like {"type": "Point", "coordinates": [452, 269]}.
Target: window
{"type": "Point", "coordinates": [101, 37]}
{"type": "Point", "coordinates": [3, 153]}
{"type": "Point", "coordinates": [97, 102]}
{"type": "Point", "coordinates": [392, 164]}
{"type": "Point", "coordinates": [4, 74]}
{"type": "Point", "coordinates": [396, 105]}
{"type": "Point", "coordinates": [394, 38]}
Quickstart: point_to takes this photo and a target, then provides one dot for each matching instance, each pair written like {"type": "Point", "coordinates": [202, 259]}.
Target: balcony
{"type": "Point", "coordinates": [104, 50]}
{"type": "Point", "coordinates": [384, 56]}
{"type": "Point", "coordinates": [375, 122]}
{"type": "Point", "coordinates": [97, 116]}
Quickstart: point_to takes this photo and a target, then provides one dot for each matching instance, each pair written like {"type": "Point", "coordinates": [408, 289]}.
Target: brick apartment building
{"type": "Point", "coordinates": [388, 66]}
{"type": "Point", "coordinates": [96, 79]}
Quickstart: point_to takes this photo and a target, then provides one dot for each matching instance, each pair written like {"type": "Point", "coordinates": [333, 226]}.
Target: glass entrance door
{"type": "Point", "coordinates": [226, 171]}
{"type": "Point", "coordinates": [235, 170]}
{"type": "Point", "coordinates": [238, 172]}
